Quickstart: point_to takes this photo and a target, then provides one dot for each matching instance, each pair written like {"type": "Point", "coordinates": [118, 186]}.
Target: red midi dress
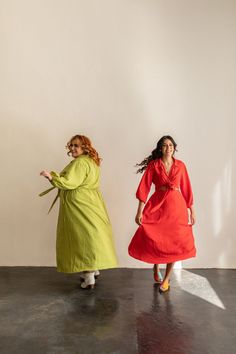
{"type": "Point", "coordinates": [165, 235]}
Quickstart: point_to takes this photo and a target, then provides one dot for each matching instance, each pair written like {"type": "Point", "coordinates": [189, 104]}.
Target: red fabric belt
{"type": "Point", "coordinates": [165, 188]}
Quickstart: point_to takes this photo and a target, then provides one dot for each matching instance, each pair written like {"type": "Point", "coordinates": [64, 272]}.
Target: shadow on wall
{"type": "Point", "coordinates": [216, 214]}
{"type": "Point", "coordinates": [223, 216]}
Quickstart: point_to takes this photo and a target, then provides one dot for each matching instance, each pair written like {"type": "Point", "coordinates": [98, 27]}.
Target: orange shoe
{"type": "Point", "coordinates": [164, 287]}
{"type": "Point", "coordinates": [157, 275]}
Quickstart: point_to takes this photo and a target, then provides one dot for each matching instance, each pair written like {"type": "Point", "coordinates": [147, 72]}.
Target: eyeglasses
{"type": "Point", "coordinates": [74, 145]}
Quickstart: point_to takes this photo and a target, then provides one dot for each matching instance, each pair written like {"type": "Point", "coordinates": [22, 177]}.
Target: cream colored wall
{"type": "Point", "coordinates": [124, 73]}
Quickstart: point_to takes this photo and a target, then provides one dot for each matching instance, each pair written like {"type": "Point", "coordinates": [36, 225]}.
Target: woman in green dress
{"type": "Point", "coordinates": [84, 233]}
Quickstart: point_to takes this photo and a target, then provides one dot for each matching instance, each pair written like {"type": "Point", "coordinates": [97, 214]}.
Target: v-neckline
{"type": "Point", "coordinates": [168, 174]}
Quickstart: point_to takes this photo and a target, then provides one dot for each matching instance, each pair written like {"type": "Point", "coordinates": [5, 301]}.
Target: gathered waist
{"type": "Point", "coordinates": [68, 190]}
{"type": "Point", "coordinates": [168, 187]}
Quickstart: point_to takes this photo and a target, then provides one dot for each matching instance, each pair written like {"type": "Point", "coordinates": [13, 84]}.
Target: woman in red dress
{"type": "Point", "coordinates": [165, 221]}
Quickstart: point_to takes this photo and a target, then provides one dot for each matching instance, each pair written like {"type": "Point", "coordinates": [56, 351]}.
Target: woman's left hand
{"type": "Point", "coordinates": [192, 216]}
{"type": "Point", "coordinates": [46, 174]}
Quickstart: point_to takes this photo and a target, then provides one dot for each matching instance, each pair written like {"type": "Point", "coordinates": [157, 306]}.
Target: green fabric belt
{"type": "Point", "coordinates": [54, 201]}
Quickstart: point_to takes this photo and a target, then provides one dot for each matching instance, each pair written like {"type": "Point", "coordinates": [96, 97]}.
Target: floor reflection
{"type": "Point", "coordinates": [160, 331]}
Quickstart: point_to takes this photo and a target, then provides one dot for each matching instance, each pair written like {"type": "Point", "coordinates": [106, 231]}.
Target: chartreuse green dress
{"type": "Point", "coordinates": [84, 233]}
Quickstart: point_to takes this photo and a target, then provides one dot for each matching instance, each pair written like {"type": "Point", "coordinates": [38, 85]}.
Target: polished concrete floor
{"type": "Point", "coordinates": [45, 312]}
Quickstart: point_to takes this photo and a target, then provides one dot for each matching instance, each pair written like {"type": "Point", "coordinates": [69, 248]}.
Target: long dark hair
{"type": "Point", "coordinates": [156, 153]}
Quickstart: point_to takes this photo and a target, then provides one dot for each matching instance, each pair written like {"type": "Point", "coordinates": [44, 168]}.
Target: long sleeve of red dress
{"type": "Point", "coordinates": [185, 187]}
{"type": "Point", "coordinates": [145, 184]}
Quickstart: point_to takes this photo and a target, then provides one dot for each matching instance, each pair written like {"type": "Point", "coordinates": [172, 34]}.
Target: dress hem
{"type": "Point", "coordinates": [159, 260]}
{"type": "Point", "coordinates": [78, 270]}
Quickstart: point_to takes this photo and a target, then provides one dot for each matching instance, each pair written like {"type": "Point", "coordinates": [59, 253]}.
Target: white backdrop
{"type": "Point", "coordinates": [123, 72]}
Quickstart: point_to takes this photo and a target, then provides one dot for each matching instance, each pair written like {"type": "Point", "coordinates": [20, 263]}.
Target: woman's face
{"type": "Point", "coordinates": [167, 148]}
{"type": "Point", "coordinates": [75, 148]}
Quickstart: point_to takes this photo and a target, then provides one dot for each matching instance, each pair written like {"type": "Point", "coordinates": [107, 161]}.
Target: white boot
{"type": "Point", "coordinates": [89, 280]}
{"type": "Point", "coordinates": [96, 274]}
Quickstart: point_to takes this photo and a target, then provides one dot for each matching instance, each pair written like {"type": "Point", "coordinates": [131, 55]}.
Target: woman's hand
{"type": "Point", "coordinates": [46, 174]}
{"type": "Point", "coordinates": [138, 218]}
{"type": "Point", "coordinates": [192, 216]}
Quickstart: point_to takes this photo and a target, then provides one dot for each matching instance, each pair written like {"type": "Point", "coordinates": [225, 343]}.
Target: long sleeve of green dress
{"type": "Point", "coordinates": [72, 176]}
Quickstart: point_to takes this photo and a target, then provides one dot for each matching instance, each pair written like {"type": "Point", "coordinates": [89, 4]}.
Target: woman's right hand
{"type": "Point", "coordinates": [46, 174]}
{"type": "Point", "coordinates": [138, 218]}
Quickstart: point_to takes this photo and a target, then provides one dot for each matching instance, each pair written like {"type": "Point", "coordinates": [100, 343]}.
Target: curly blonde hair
{"type": "Point", "coordinates": [87, 147]}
